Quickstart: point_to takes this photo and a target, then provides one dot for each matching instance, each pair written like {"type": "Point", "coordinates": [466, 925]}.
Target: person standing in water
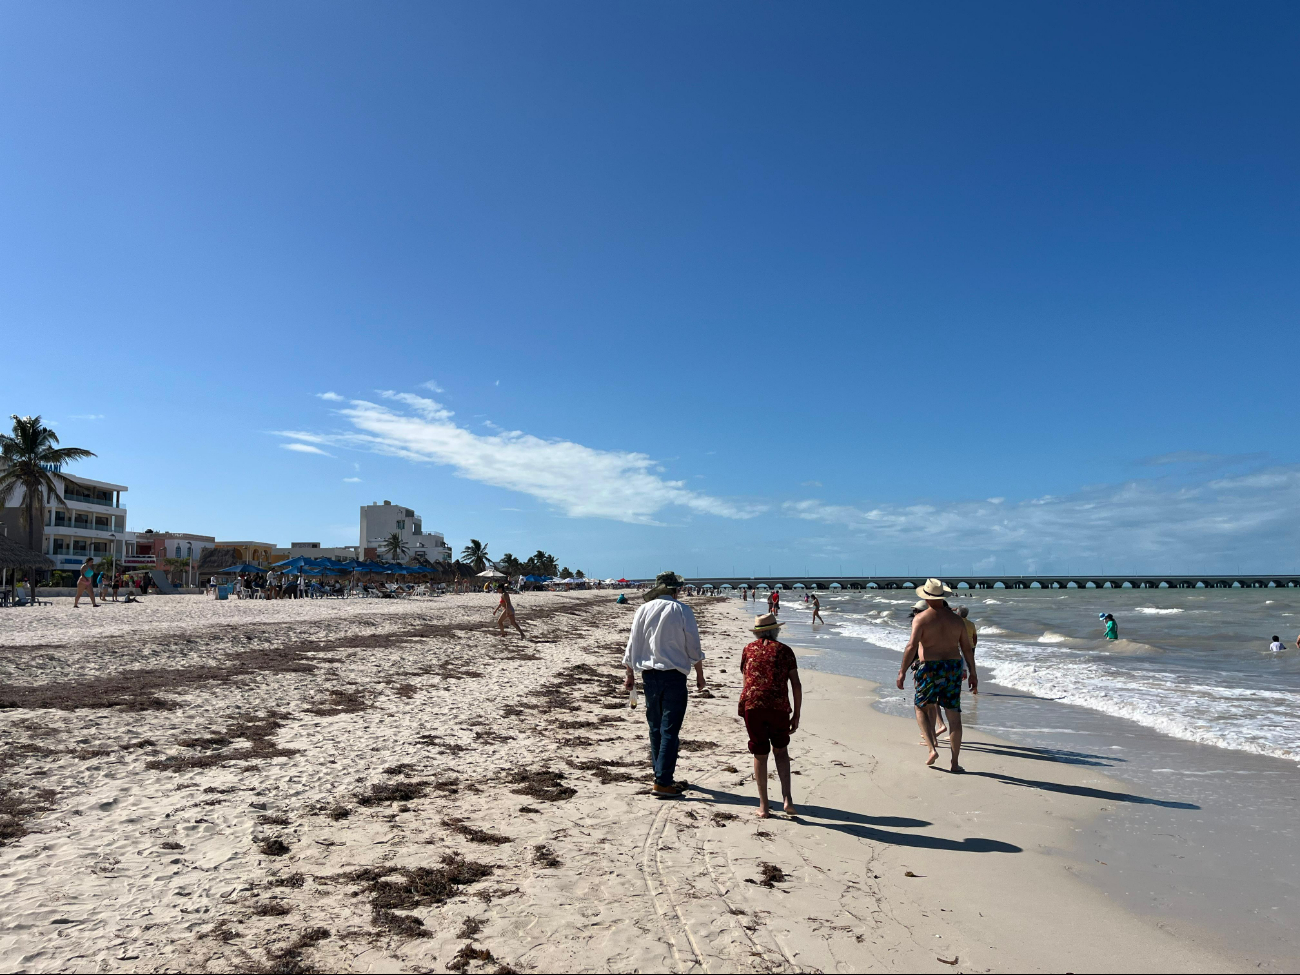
{"type": "Point", "coordinates": [1112, 629]}
{"type": "Point", "coordinates": [939, 640]}
{"type": "Point", "coordinates": [507, 611]}
{"type": "Point", "coordinates": [1277, 646]}
{"type": "Point", "coordinates": [817, 609]}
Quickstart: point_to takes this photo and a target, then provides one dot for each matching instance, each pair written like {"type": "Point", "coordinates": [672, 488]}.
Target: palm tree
{"type": "Point", "coordinates": [510, 565]}
{"type": "Point", "coordinates": [476, 554]}
{"type": "Point", "coordinates": [394, 546]}
{"type": "Point", "coordinates": [32, 462]}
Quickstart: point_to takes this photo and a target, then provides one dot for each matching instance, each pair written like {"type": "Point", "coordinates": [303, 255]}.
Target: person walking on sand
{"type": "Point", "coordinates": [663, 647]}
{"type": "Point", "coordinates": [85, 584]}
{"type": "Point", "coordinates": [766, 667]}
{"type": "Point", "coordinates": [939, 639]}
{"type": "Point", "coordinates": [507, 611]}
{"type": "Point", "coordinates": [817, 609]}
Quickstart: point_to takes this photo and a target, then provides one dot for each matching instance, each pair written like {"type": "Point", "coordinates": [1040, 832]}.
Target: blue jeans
{"type": "Point", "coordinates": [665, 708]}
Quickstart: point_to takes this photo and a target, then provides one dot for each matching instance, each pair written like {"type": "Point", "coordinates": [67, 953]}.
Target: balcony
{"type": "Point", "coordinates": [83, 499]}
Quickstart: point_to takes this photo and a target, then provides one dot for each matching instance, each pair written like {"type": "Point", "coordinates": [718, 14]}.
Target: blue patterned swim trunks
{"type": "Point", "coordinates": [939, 682]}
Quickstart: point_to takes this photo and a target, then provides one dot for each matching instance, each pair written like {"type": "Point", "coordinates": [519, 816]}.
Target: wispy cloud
{"type": "Point", "coordinates": [302, 448]}
{"type": "Point", "coordinates": [331, 397]}
{"type": "Point", "coordinates": [580, 481]}
{"type": "Point", "coordinates": [351, 480]}
{"type": "Point", "coordinates": [812, 484]}
{"type": "Point", "coordinates": [1151, 520]}
{"type": "Point", "coordinates": [432, 387]}
{"type": "Point", "coordinates": [86, 416]}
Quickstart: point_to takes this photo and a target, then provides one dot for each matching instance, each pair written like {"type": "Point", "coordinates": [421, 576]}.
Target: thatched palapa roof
{"type": "Point", "coordinates": [15, 556]}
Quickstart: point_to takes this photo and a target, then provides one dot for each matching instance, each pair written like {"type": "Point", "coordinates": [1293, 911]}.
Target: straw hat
{"type": "Point", "coordinates": [767, 621]}
{"type": "Point", "coordinates": [933, 589]}
{"type": "Point", "coordinates": [665, 582]}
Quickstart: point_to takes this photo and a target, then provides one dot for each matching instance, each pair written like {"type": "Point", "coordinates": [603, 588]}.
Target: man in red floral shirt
{"type": "Point", "coordinates": [767, 666]}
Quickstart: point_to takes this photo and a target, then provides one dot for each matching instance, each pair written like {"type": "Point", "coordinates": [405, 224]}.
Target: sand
{"type": "Point", "coordinates": [375, 785]}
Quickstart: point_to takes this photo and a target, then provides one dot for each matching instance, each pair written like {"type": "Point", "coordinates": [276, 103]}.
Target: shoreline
{"type": "Point", "coordinates": [424, 725]}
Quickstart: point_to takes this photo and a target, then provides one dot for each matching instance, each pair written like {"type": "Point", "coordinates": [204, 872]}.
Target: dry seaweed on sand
{"type": "Point", "coordinates": [258, 732]}
{"type": "Point", "coordinates": [338, 812]}
{"type": "Point", "coordinates": [288, 960]}
{"type": "Point", "coordinates": [272, 909]}
{"type": "Point", "coordinates": [341, 701]}
{"type": "Point", "coordinates": [172, 845]}
{"type": "Point", "coordinates": [401, 768]}
{"type": "Point", "coordinates": [473, 833]}
{"type": "Point", "coordinates": [292, 880]}
{"type": "Point", "coordinates": [541, 784]}
{"type": "Point", "coordinates": [696, 746]}
{"type": "Point", "coordinates": [403, 925]}
{"type": "Point", "coordinates": [141, 689]}
{"type": "Point", "coordinates": [392, 888]}
{"type": "Point", "coordinates": [769, 875]}
{"type": "Point", "coordinates": [468, 954]}
{"type": "Point", "coordinates": [273, 846]}
{"type": "Point", "coordinates": [384, 792]}
{"type": "Point", "coordinates": [17, 806]}
{"type": "Point", "coordinates": [722, 818]}
{"type": "Point", "coordinates": [470, 927]}
{"type": "Point", "coordinates": [273, 819]}
{"type": "Point", "coordinates": [544, 856]}
{"type": "Point", "coordinates": [600, 767]}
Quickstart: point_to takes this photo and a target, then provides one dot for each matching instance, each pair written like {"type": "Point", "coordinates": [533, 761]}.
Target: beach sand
{"type": "Point", "coordinates": [374, 785]}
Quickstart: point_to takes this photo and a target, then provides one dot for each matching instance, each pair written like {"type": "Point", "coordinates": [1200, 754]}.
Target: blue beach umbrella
{"type": "Point", "coordinates": [241, 567]}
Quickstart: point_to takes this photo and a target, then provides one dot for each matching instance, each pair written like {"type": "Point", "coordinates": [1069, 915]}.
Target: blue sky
{"type": "Point", "coordinates": [823, 287]}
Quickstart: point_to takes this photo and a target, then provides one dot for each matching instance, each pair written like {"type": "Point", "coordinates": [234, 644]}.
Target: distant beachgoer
{"type": "Point", "coordinates": [663, 647]}
{"type": "Point", "coordinates": [507, 611]}
{"type": "Point", "coordinates": [1112, 629]}
{"type": "Point", "coordinates": [621, 599]}
{"type": "Point", "coordinates": [117, 585]}
{"type": "Point", "coordinates": [817, 609]}
{"type": "Point", "coordinates": [145, 580]}
{"type": "Point", "coordinates": [767, 666]}
{"type": "Point", "coordinates": [1277, 646]}
{"type": "Point", "coordinates": [940, 641]}
{"type": "Point", "coordinates": [85, 584]}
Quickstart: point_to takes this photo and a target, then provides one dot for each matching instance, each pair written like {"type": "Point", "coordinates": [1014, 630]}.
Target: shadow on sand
{"type": "Point", "coordinates": [1084, 791]}
{"type": "Point", "coordinates": [868, 827]}
{"type": "Point", "coordinates": [1041, 754]}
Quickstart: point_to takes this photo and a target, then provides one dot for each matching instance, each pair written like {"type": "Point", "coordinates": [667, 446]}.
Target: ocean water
{"type": "Point", "coordinates": [1190, 664]}
{"type": "Point", "coordinates": [1190, 710]}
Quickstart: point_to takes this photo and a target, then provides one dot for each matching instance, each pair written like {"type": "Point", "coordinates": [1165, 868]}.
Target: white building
{"type": "Point", "coordinates": [89, 520]}
{"type": "Point", "coordinates": [313, 550]}
{"type": "Point", "coordinates": [379, 521]}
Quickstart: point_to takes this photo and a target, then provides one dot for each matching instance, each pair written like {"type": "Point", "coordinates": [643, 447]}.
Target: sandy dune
{"type": "Point", "coordinates": [369, 785]}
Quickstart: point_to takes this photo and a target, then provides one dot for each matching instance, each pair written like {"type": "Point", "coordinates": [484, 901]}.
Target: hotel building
{"type": "Point", "coordinates": [379, 521]}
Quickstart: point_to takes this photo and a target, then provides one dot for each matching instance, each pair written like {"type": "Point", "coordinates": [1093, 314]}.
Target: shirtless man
{"type": "Point", "coordinates": [940, 637]}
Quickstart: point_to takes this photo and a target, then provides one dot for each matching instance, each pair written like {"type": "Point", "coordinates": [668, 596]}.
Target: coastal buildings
{"type": "Point", "coordinates": [379, 521]}
{"type": "Point", "coordinates": [89, 520]}
{"type": "Point", "coordinates": [313, 550]}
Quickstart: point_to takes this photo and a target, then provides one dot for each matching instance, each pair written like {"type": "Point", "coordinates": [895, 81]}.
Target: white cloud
{"type": "Point", "coordinates": [303, 448]}
{"type": "Point", "coordinates": [432, 387]}
{"type": "Point", "coordinates": [87, 416]}
{"type": "Point", "coordinates": [812, 484]}
{"type": "Point", "coordinates": [351, 480]}
{"type": "Point", "coordinates": [582, 482]}
{"type": "Point", "coordinates": [331, 397]}
{"type": "Point", "coordinates": [1153, 521]}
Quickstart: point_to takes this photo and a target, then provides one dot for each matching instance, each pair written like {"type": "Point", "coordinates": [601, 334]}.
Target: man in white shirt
{"type": "Point", "coordinates": [664, 645]}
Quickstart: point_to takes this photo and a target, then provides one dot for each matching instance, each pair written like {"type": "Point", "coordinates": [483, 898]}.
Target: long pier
{"type": "Point", "coordinates": [1068, 581]}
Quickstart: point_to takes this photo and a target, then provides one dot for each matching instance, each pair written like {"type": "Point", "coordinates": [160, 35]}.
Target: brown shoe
{"type": "Point", "coordinates": [665, 791]}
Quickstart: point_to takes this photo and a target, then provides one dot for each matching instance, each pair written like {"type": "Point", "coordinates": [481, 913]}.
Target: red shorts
{"type": "Point", "coordinates": [768, 728]}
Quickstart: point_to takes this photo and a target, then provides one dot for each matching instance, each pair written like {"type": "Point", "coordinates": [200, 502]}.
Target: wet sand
{"type": "Point", "coordinates": [373, 785]}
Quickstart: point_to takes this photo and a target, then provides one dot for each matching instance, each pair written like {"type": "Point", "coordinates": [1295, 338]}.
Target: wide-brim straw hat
{"type": "Point", "coordinates": [933, 589]}
{"type": "Point", "coordinates": [767, 621]}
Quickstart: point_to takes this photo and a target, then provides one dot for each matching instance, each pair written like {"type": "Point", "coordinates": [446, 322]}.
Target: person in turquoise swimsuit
{"type": "Point", "coordinates": [85, 584]}
{"type": "Point", "coordinates": [1112, 630]}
